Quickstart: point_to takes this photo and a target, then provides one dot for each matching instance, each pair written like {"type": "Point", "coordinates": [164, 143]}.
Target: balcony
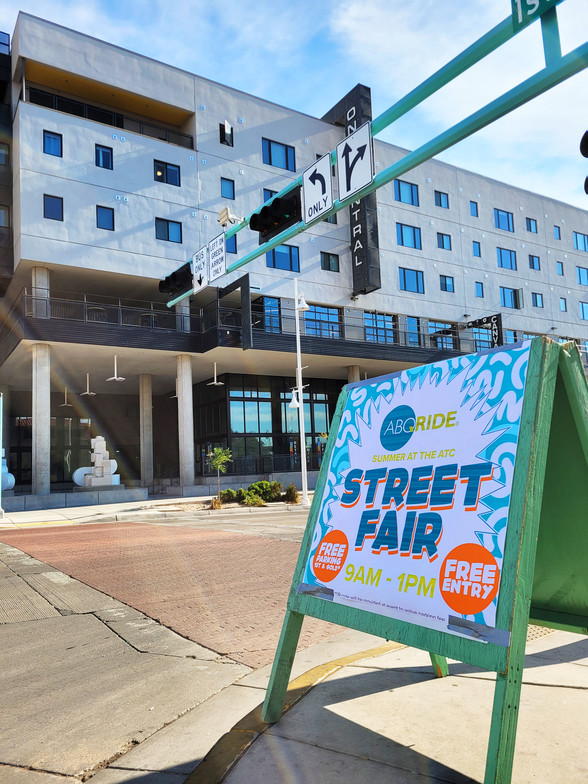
{"type": "Point", "coordinates": [115, 119]}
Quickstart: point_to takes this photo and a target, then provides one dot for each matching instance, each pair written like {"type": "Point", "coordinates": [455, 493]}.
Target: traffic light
{"type": "Point", "coordinates": [283, 212]}
{"type": "Point", "coordinates": [584, 151]}
{"type": "Point", "coordinates": [179, 282]}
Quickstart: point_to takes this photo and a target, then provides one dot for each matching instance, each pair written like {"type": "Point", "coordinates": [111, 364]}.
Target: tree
{"type": "Point", "coordinates": [219, 457]}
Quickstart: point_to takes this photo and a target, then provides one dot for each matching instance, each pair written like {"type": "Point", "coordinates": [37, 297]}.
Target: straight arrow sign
{"type": "Point", "coordinates": [354, 162]}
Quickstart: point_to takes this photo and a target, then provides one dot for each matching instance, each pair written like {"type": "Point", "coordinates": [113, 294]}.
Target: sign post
{"type": "Point", "coordinates": [436, 485]}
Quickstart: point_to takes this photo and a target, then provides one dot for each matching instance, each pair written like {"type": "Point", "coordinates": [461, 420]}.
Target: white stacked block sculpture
{"type": "Point", "coordinates": [103, 471]}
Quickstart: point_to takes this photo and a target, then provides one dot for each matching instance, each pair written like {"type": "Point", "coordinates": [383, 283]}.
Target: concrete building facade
{"type": "Point", "coordinates": [113, 169]}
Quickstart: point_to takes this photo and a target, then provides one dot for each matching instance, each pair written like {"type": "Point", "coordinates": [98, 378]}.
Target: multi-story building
{"type": "Point", "coordinates": [119, 166]}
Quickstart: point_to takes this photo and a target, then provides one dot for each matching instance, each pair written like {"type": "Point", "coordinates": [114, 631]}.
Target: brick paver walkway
{"type": "Point", "coordinates": [225, 591]}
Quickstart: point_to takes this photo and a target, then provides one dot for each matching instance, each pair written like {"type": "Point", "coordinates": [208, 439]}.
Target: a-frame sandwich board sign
{"type": "Point", "coordinates": [439, 518]}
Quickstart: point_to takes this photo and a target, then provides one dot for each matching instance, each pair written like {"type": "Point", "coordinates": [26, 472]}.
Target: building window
{"type": "Point", "coordinates": [231, 244]}
{"type": "Point", "coordinates": [53, 207]}
{"type": "Point", "coordinates": [280, 155]}
{"type": "Point", "coordinates": [168, 230]}
{"type": "Point", "coordinates": [442, 334]}
{"type": "Point", "coordinates": [534, 262]}
{"type": "Point", "coordinates": [331, 218]}
{"type": "Point", "coordinates": [105, 218]}
{"type": "Point", "coordinates": [476, 249]}
{"type": "Point", "coordinates": [413, 331]}
{"type": "Point", "coordinates": [507, 259]}
{"type": "Point", "coordinates": [409, 236]}
{"type": "Point", "coordinates": [284, 257]}
{"type": "Point", "coordinates": [536, 299]}
{"type": "Point", "coordinates": [511, 298]}
{"type": "Point", "coordinates": [379, 327]}
{"type": "Point", "coordinates": [503, 220]}
{"type": "Point", "coordinates": [582, 275]}
{"type": "Point", "coordinates": [482, 338]}
{"type": "Point", "coordinates": [166, 172]}
{"type": "Point", "coordinates": [563, 304]}
{"type": "Point", "coordinates": [322, 321]}
{"type": "Point", "coordinates": [4, 216]}
{"type": "Point", "coordinates": [446, 283]}
{"type": "Point", "coordinates": [531, 225]}
{"type": "Point", "coordinates": [267, 194]}
{"type": "Point", "coordinates": [556, 233]}
{"type": "Point", "coordinates": [581, 241]}
{"type": "Point", "coordinates": [103, 157]}
{"type": "Point", "coordinates": [406, 192]}
{"type": "Point", "coordinates": [479, 289]}
{"type": "Point", "coordinates": [559, 267]}
{"type": "Point", "coordinates": [443, 241]}
{"type": "Point", "coordinates": [441, 199]}
{"type": "Point", "coordinates": [411, 280]}
{"type": "Point", "coordinates": [265, 312]}
{"type": "Point", "coordinates": [329, 262]}
{"type": "Point", "coordinates": [225, 132]}
{"type": "Point", "coordinates": [227, 188]}
{"type": "Point", "coordinates": [474, 209]}
{"type": "Point", "coordinates": [4, 154]}
{"type": "Point", "coordinates": [52, 143]}
{"type": "Point", "coordinates": [584, 311]}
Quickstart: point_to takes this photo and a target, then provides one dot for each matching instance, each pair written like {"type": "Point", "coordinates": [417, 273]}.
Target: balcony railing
{"type": "Point", "coordinates": [97, 114]}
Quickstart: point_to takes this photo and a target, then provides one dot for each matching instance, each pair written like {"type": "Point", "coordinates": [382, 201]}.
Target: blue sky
{"type": "Point", "coordinates": [306, 54]}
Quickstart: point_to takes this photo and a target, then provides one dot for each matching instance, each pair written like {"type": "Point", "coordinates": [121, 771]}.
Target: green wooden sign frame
{"type": "Point", "coordinates": [543, 572]}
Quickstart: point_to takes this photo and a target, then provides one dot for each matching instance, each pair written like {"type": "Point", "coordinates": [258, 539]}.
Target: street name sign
{"type": "Point", "coordinates": [439, 520]}
{"type": "Point", "coordinates": [354, 162]}
{"type": "Point", "coordinates": [317, 190]}
{"type": "Point", "coordinates": [217, 265]}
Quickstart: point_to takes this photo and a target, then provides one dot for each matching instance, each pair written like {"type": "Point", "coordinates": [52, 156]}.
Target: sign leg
{"type": "Point", "coordinates": [503, 729]}
{"type": "Point", "coordinates": [278, 683]}
{"type": "Point", "coordinates": [440, 666]}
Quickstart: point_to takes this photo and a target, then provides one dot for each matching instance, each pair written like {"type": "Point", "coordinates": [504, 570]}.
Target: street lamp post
{"type": "Point", "coordinates": [300, 306]}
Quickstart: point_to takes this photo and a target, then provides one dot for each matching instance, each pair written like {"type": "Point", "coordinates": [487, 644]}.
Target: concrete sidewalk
{"type": "Point", "coordinates": [94, 690]}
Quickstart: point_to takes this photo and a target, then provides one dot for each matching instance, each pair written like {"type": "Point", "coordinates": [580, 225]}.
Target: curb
{"type": "Point", "coordinates": [231, 747]}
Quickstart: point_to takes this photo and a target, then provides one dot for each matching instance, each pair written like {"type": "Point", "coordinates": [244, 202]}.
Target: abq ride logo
{"type": "Point", "coordinates": [399, 425]}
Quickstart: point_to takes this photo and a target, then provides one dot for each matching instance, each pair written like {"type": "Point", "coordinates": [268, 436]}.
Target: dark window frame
{"type": "Point", "coordinates": [447, 283]}
{"type": "Point", "coordinates": [404, 230]}
{"type": "Point", "coordinates": [166, 169]}
{"type": "Point", "coordinates": [101, 210]}
{"type": "Point", "coordinates": [442, 199]}
{"type": "Point", "coordinates": [293, 258]}
{"type": "Point", "coordinates": [503, 220]}
{"type": "Point", "coordinates": [503, 254]}
{"type": "Point", "coordinates": [443, 241]}
{"type": "Point", "coordinates": [329, 261]}
{"type": "Point", "coordinates": [225, 181]}
{"type": "Point", "coordinates": [163, 224]}
{"type": "Point", "coordinates": [101, 148]}
{"type": "Point", "coordinates": [46, 203]}
{"type": "Point", "coordinates": [405, 280]}
{"type": "Point", "coordinates": [410, 190]}
{"type": "Point", "coordinates": [54, 136]}
{"type": "Point", "coordinates": [268, 153]}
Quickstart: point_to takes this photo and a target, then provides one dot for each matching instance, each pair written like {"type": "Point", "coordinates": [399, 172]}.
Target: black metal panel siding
{"type": "Point", "coordinates": [266, 341]}
{"type": "Point", "coordinates": [96, 334]}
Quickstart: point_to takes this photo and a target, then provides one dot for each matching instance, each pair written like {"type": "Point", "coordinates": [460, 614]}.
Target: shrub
{"type": "Point", "coordinates": [276, 491]}
{"type": "Point", "coordinates": [240, 495]}
{"type": "Point", "coordinates": [291, 494]}
{"type": "Point", "coordinates": [262, 489]}
{"type": "Point", "coordinates": [216, 503]}
{"type": "Point", "coordinates": [250, 499]}
{"type": "Point", "coordinates": [228, 496]}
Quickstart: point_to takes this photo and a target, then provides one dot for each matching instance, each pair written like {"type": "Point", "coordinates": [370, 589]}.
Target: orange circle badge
{"type": "Point", "coordinates": [330, 556]}
{"type": "Point", "coordinates": [469, 579]}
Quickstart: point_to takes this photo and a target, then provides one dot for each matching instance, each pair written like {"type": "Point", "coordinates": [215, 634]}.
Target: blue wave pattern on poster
{"type": "Point", "coordinates": [493, 386]}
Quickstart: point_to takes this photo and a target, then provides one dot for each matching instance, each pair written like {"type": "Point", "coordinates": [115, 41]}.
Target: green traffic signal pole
{"type": "Point", "coordinates": [558, 69]}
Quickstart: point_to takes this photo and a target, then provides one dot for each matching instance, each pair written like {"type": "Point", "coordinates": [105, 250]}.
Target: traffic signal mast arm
{"type": "Point", "coordinates": [558, 69]}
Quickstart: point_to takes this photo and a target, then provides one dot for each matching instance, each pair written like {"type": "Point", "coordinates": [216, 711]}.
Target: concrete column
{"type": "Point", "coordinates": [352, 373]}
{"type": "Point", "coordinates": [183, 315]}
{"type": "Point", "coordinates": [41, 419]}
{"type": "Point", "coordinates": [146, 428]}
{"type": "Point", "coordinates": [185, 419]}
{"type": "Point", "coordinates": [5, 390]}
{"type": "Point", "coordinates": [40, 285]}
